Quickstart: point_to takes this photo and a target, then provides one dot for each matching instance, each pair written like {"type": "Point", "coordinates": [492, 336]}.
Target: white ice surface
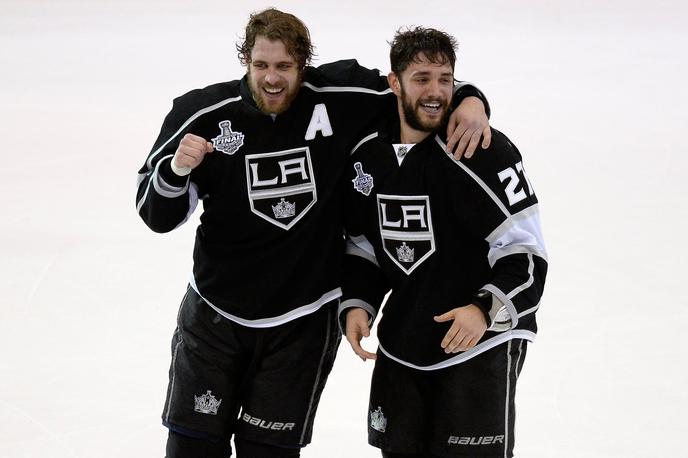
{"type": "Point", "coordinates": [593, 93]}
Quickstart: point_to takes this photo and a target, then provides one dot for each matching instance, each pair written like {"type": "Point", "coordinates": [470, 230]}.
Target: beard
{"type": "Point", "coordinates": [268, 106]}
{"type": "Point", "coordinates": [412, 113]}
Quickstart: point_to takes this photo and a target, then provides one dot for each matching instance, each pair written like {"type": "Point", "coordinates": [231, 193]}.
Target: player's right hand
{"type": "Point", "coordinates": [191, 151]}
{"type": "Point", "coordinates": [356, 329]}
{"type": "Point", "coordinates": [467, 329]}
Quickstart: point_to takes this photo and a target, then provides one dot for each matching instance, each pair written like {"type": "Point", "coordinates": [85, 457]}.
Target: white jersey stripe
{"type": "Point", "coordinates": [365, 139]}
{"type": "Point", "coordinates": [193, 117]}
{"type": "Point", "coordinates": [193, 202]}
{"type": "Point", "coordinates": [276, 320]}
{"type": "Point", "coordinates": [528, 283]}
{"type": "Point", "coordinates": [506, 403]}
{"type": "Point", "coordinates": [344, 89]}
{"type": "Point", "coordinates": [473, 352]}
{"type": "Point", "coordinates": [475, 177]}
{"type": "Point", "coordinates": [530, 310]}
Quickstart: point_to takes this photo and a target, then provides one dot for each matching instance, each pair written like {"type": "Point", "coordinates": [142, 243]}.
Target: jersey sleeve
{"type": "Point", "coordinates": [463, 89]}
{"type": "Point", "coordinates": [349, 73]}
{"type": "Point", "coordinates": [501, 207]}
{"type": "Point", "coordinates": [165, 200]}
{"type": "Point", "coordinates": [364, 284]}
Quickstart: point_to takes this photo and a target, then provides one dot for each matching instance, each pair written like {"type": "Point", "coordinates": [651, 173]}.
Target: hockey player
{"type": "Point", "coordinates": [459, 245]}
{"type": "Point", "coordinates": [257, 331]}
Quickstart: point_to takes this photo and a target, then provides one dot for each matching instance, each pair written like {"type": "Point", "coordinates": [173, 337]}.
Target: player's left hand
{"type": "Point", "coordinates": [468, 328]}
{"type": "Point", "coordinates": [467, 123]}
{"type": "Point", "coordinates": [356, 329]}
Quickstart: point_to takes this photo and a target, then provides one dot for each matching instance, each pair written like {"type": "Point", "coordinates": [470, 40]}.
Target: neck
{"type": "Point", "coordinates": [409, 134]}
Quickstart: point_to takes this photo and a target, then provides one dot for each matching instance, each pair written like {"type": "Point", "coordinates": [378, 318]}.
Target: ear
{"type": "Point", "coordinates": [394, 83]}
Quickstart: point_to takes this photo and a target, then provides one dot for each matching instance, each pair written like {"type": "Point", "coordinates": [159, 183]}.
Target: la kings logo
{"type": "Point", "coordinates": [281, 185]}
{"type": "Point", "coordinates": [405, 226]}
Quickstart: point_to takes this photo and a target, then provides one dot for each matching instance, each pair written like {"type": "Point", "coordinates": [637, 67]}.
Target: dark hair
{"type": "Point", "coordinates": [274, 24]}
{"type": "Point", "coordinates": [438, 47]}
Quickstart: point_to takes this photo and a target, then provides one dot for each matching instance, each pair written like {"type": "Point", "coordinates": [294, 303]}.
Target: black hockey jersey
{"type": "Point", "coordinates": [270, 242]}
{"type": "Point", "coordinates": [435, 231]}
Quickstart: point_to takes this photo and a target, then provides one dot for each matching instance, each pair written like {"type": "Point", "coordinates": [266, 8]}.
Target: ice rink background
{"type": "Point", "coordinates": [593, 93]}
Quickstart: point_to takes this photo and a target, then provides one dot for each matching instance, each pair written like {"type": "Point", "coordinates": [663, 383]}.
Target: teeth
{"type": "Point", "coordinates": [273, 91]}
{"type": "Point", "coordinates": [431, 105]}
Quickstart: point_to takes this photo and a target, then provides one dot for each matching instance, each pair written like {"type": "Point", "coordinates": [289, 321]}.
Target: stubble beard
{"type": "Point", "coordinates": [412, 117]}
{"type": "Point", "coordinates": [259, 97]}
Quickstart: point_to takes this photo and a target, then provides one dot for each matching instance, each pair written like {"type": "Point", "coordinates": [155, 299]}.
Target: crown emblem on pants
{"type": "Point", "coordinates": [207, 403]}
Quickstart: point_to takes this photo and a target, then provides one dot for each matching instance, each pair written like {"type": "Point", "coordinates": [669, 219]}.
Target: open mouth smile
{"type": "Point", "coordinates": [273, 91]}
{"type": "Point", "coordinates": [431, 107]}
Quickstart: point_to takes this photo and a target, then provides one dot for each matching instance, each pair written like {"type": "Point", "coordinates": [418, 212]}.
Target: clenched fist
{"type": "Point", "coordinates": [191, 151]}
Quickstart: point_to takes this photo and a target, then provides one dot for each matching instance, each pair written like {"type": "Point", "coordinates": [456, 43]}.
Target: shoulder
{"type": "Point", "coordinates": [498, 170]}
{"type": "Point", "coordinates": [198, 99]}
{"type": "Point", "coordinates": [345, 73]}
{"type": "Point", "coordinates": [500, 154]}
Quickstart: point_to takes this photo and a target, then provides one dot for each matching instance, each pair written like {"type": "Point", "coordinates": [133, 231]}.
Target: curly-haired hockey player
{"type": "Point", "coordinates": [257, 331]}
{"type": "Point", "coordinates": [459, 245]}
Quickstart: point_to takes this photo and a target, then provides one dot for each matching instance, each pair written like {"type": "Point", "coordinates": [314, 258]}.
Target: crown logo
{"type": "Point", "coordinates": [377, 420]}
{"type": "Point", "coordinates": [284, 209]}
{"type": "Point", "coordinates": [405, 253]}
{"type": "Point", "coordinates": [228, 142]}
{"type": "Point", "coordinates": [207, 403]}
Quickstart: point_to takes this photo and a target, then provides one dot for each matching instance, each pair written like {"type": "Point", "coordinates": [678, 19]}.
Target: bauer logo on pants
{"type": "Point", "coordinates": [281, 185]}
{"type": "Point", "coordinates": [406, 229]}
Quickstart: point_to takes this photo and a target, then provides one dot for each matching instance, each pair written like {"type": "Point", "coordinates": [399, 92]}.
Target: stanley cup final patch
{"type": "Point", "coordinates": [281, 185]}
{"type": "Point", "coordinates": [363, 182]}
{"type": "Point", "coordinates": [228, 142]}
{"type": "Point", "coordinates": [405, 224]}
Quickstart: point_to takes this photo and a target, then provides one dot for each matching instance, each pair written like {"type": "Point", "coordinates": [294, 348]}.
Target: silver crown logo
{"type": "Point", "coordinates": [377, 420]}
{"type": "Point", "coordinates": [284, 209]}
{"type": "Point", "coordinates": [207, 403]}
{"type": "Point", "coordinates": [228, 142]}
{"type": "Point", "coordinates": [363, 182]}
{"type": "Point", "coordinates": [405, 253]}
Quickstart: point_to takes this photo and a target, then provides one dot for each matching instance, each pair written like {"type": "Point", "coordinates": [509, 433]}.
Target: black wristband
{"type": "Point", "coordinates": [483, 299]}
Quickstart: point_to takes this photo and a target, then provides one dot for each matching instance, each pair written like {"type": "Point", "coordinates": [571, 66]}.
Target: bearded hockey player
{"type": "Point", "coordinates": [257, 332]}
{"type": "Point", "coordinates": [459, 245]}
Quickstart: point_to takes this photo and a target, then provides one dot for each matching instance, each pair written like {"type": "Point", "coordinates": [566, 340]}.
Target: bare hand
{"type": "Point", "coordinates": [191, 151]}
{"type": "Point", "coordinates": [356, 329]}
{"type": "Point", "coordinates": [468, 328]}
{"type": "Point", "coordinates": [466, 125]}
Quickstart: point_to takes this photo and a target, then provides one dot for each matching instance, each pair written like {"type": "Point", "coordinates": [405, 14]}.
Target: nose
{"type": "Point", "coordinates": [434, 88]}
{"type": "Point", "coordinates": [271, 77]}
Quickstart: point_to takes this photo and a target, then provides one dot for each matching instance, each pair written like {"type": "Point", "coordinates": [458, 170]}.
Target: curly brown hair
{"type": "Point", "coordinates": [274, 24]}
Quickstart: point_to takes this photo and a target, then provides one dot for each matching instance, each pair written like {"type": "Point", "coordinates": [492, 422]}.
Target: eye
{"type": "Point", "coordinates": [260, 65]}
{"type": "Point", "coordinates": [284, 66]}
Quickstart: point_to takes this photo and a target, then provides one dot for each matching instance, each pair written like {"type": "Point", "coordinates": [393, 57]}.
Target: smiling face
{"type": "Point", "coordinates": [274, 75]}
{"type": "Point", "coordinates": [424, 91]}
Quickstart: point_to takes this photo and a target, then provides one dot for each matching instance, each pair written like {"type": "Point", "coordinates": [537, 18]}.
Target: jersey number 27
{"type": "Point", "coordinates": [512, 179]}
